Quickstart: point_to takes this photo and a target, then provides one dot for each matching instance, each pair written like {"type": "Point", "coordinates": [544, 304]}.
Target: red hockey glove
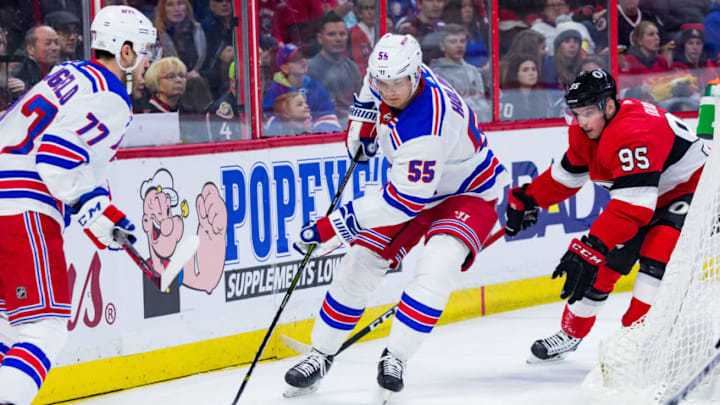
{"type": "Point", "coordinates": [100, 219]}
{"type": "Point", "coordinates": [361, 130]}
{"type": "Point", "coordinates": [580, 266]}
{"type": "Point", "coordinates": [521, 211]}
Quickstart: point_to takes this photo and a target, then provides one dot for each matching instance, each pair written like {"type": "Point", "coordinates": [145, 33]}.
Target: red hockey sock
{"type": "Point", "coordinates": [636, 311]}
{"type": "Point", "coordinates": [576, 326]}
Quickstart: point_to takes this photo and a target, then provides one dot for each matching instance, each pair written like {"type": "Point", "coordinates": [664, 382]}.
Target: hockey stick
{"type": "Point", "coordinates": [696, 379]}
{"type": "Point", "coordinates": [184, 251]}
{"type": "Point", "coordinates": [295, 280]}
{"type": "Point", "coordinates": [303, 348]}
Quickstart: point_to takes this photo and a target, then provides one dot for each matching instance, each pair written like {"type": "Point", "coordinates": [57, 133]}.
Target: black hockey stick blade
{"type": "Point", "coordinates": [149, 272]}
{"type": "Point", "coordinates": [303, 348]}
{"type": "Point", "coordinates": [696, 379]}
{"type": "Point", "coordinates": [295, 280]}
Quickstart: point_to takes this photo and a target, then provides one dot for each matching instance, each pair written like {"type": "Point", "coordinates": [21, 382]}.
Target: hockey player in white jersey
{"type": "Point", "coordinates": [56, 145]}
{"type": "Point", "coordinates": [443, 186]}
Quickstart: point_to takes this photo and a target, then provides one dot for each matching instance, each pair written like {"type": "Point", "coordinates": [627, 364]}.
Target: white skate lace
{"type": "Point", "coordinates": [314, 361]}
{"type": "Point", "coordinates": [559, 342]}
{"type": "Point", "coordinates": [392, 366]}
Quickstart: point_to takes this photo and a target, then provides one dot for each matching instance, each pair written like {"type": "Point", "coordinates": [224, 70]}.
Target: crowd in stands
{"type": "Point", "coordinates": [314, 55]}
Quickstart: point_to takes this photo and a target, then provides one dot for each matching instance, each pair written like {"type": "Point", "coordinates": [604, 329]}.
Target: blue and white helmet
{"type": "Point", "coordinates": [115, 25]}
{"type": "Point", "coordinates": [395, 56]}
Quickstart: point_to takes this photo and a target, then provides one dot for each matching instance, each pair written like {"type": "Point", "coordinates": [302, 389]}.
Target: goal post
{"type": "Point", "coordinates": [652, 359]}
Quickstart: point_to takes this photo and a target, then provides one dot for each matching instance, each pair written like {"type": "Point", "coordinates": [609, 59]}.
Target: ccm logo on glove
{"type": "Point", "coordinates": [590, 255]}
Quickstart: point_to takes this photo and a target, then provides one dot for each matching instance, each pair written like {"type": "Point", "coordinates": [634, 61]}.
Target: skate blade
{"type": "Point", "coordinates": [537, 360]}
{"type": "Point", "coordinates": [385, 396]}
{"type": "Point", "coordinates": [292, 392]}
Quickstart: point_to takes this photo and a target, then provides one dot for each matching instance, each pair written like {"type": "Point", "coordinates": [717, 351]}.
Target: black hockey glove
{"type": "Point", "coordinates": [521, 211]}
{"type": "Point", "coordinates": [580, 266]}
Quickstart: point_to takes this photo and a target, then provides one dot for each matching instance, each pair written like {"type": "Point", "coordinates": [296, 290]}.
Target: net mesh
{"type": "Point", "coordinates": [649, 361]}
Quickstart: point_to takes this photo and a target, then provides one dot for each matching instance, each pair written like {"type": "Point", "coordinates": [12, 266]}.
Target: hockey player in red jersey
{"type": "Point", "coordinates": [57, 143]}
{"type": "Point", "coordinates": [442, 185]}
{"type": "Point", "coordinates": [650, 162]}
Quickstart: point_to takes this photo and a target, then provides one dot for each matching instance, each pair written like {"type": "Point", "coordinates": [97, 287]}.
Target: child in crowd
{"type": "Point", "coordinates": [291, 116]}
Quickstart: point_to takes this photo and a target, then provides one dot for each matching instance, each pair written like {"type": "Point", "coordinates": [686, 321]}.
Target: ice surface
{"type": "Point", "coordinates": [480, 361]}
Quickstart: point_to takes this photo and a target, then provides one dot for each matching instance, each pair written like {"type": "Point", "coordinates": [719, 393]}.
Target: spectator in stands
{"type": "Point", "coordinates": [560, 69]}
{"type": "Point", "coordinates": [527, 42]}
{"type": "Point", "coordinates": [166, 80]}
{"type": "Point", "coordinates": [712, 31]}
{"type": "Point", "coordinates": [630, 15]}
{"type": "Point", "coordinates": [218, 32]}
{"type": "Point", "coordinates": [181, 35]}
{"type": "Point", "coordinates": [510, 25]}
{"type": "Point", "coordinates": [521, 97]}
{"type": "Point", "coordinates": [642, 59]}
{"type": "Point", "coordinates": [292, 77]}
{"type": "Point", "coordinates": [462, 76]}
{"type": "Point", "coordinates": [11, 88]}
{"type": "Point", "coordinates": [223, 116]}
{"type": "Point", "coordinates": [545, 23]}
{"type": "Point", "coordinates": [335, 71]}
{"type": "Point", "coordinates": [463, 13]}
{"type": "Point", "coordinates": [291, 116]}
{"type": "Point", "coordinates": [674, 14]}
{"type": "Point", "coordinates": [404, 26]}
{"type": "Point", "coordinates": [42, 51]}
{"type": "Point", "coordinates": [690, 54]}
{"type": "Point", "coordinates": [427, 19]}
{"type": "Point", "coordinates": [298, 19]}
{"type": "Point", "coordinates": [67, 27]}
{"type": "Point", "coordinates": [362, 34]}
{"type": "Point", "coordinates": [398, 9]}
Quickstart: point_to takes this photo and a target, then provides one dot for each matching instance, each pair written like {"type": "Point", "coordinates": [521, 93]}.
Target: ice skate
{"type": "Point", "coordinates": [553, 348]}
{"type": "Point", "coordinates": [304, 377]}
{"type": "Point", "coordinates": [390, 376]}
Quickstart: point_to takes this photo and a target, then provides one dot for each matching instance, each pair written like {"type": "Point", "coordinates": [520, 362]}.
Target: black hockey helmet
{"type": "Point", "coordinates": [591, 88]}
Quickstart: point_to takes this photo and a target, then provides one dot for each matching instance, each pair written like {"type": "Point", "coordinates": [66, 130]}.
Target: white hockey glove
{"type": "Point", "coordinates": [100, 219]}
{"type": "Point", "coordinates": [329, 233]}
{"type": "Point", "coordinates": [361, 130]}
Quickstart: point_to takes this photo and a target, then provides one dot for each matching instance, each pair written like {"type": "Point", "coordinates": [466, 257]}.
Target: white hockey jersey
{"type": "Point", "coordinates": [436, 151]}
{"type": "Point", "coordinates": [58, 139]}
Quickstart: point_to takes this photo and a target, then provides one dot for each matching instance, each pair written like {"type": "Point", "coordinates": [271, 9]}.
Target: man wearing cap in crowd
{"type": "Point", "coordinates": [292, 77]}
{"type": "Point", "coordinates": [223, 116]}
{"type": "Point", "coordinates": [690, 54]}
{"type": "Point", "coordinates": [546, 22]}
{"type": "Point", "coordinates": [67, 27]}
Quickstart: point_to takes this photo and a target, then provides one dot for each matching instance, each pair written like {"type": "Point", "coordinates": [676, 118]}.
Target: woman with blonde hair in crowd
{"type": "Point", "coordinates": [166, 79]}
{"type": "Point", "coordinates": [180, 34]}
{"type": "Point", "coordinates": [643, 57]}
{"type": "Point", "coordinates": [291, 115]}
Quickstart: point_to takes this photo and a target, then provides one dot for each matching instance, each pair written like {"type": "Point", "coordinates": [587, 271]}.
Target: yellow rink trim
{"type": "Point", "coordinates": [117, 373]}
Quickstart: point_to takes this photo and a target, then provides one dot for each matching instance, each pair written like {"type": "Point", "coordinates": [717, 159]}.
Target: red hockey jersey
{"type": "Point", "coordinates": [645, 157]}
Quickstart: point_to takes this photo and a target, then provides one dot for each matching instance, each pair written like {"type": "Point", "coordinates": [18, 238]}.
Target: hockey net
{"type": "Point", "coordinates": [649, 361]}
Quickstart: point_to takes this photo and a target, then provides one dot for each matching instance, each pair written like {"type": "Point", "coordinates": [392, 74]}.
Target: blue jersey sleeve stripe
{"type": "Point", "coordinates": [57, 161]}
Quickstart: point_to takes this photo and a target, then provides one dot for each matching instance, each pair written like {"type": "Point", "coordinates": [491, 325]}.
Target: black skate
{"type": "Point", "coordinates": [553, 348]}
{"type": "Point", "coordinates": [390, 375]}
{"type": "Point", "coordinates": [304, 377]}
